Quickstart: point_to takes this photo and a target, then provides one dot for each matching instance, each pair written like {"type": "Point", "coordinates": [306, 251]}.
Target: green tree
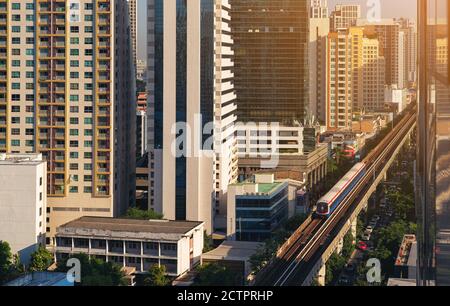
{"type": "Point", "coordinates": [96, 272]}
{"type": "Point", "coordinates": [156, 277]}
{"type": "Point", "coordinates": [41, 260]}
{"type": "Point", "coordinates": [208, 243]}
{"type": "Point", "coordinates": [334, 266]}
{"type": "Point", "coordinates": [216, 275]}
{"type": "Point", "coordinates": [135, 213]}
{"type": "Point", "coordinates": [348, 247]}
{"type": "Point", "coordinates": [6, 261]}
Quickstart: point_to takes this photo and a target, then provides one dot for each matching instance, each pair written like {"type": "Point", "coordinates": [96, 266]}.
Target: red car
{"type": "Point", "coordinates": [362, 246]}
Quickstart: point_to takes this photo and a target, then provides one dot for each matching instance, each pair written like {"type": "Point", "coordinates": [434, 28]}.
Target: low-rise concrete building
{"type": "Point", "coordinates": [139, 244]}
{"type": "Point", "coordinates": [41, 279]}
{"type": "Point", "coordinates": [23, 202]}
{"type": "Point", "coordinates": [256, 208]}
{"type": "Point", "coordinates": [406, 262]}
{"type": "Point", "coordinates": [235, 255]}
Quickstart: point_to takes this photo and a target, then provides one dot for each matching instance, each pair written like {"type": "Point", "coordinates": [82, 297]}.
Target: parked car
{"type": "Point", "coordinates": [366, 236]}
{"type": "Point", "coordinates": [369, 229]}
{"type": "Point", "coordinates": [362, 246]}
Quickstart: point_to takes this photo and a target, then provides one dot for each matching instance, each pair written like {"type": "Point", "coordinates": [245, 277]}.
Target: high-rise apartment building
{"type": "Point", "coordinates": [433, 146]}
{"type": "Point", "coordinates": [271, 59]}
{"type": "Point", "coordinates": [408, 28]}
{"type": "Point", "coordinates": [319, 28]}
{"type": "Point", "coordinates": [339, 81]}
{"type": "Point", "coordinates": [387, 31]}
{"type": "Point", "coordinates": [368, 73]}
{"type": "Point", "coordinates": [344, 16]}
{"type": "Point", "coordinates": [132, 10]}
{"type": "Point", "coordinates": [191, 82]}
{"type": "Point", "coordinates": [319, 9]}
{"type": "Point", "coordinates": [67, 91]}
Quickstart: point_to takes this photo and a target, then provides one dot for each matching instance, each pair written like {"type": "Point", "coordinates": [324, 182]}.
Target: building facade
{"type": "Point", "coordinates": [138, 244]}
{"type": "Point", "coordinates": [319, 28]}
{"type": "Point", "coordinates": [344, 16]}
{"type": "Point", "coordinates": [339, 81]}
{"type": "Point", "coordinates": [271, 59]}
{"type": "Point", "coordinates": [132, 11]}
{"type": "Point", "coordinates": [257, 208]}
{"type": "Point", "coordinates": [67, 91]}
{"type": "Point", "coordinates": [190, 81]}
{"type": "Point", "coordinates": [23, 203]}
{"type": "Point", "coordinates": [433, 146]}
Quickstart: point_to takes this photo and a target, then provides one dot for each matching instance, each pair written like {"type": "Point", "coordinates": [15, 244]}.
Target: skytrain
{"type": "Point", "coordinates": [329, 202]}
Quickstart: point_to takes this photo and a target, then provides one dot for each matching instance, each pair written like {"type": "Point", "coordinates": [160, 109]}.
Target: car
{"type": "Point", "coordinates": [376, 218]}
{"type": "Point", "coordinates": [362, 246]}
{"type": "Point", "coordinates": [373, 224]}
{"type": "Point", "coordinates": [369, 229]}
{"type": "Point", "coordinates": [366, 236]}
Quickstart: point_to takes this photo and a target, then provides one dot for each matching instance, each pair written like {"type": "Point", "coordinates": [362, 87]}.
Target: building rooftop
{"type": "Point", "coordinates": [233, 250]}
{"type": "Point", "coordinates": [128, 228]}
{"type": "Point", "coordinates": [407, 255]}
{"type": "Point", "coordinates": [401, 282]}
{"type": "Point", "coordinates": [21, 159]}
{"type": "Point", "coordinates": [41, 279]}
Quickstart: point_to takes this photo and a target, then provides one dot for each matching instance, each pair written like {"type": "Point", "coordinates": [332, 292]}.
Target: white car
{"type": "Point", "coordinates": [366, 237]}
{"type": "Point", "coordinates": [369, 229]}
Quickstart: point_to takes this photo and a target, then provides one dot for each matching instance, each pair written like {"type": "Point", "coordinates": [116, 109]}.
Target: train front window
{"type": "Point", "coordinates": [322, 208]}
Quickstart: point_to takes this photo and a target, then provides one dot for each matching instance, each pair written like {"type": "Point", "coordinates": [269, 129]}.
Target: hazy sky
{"type": "Point", "coordinates": [389, 9]}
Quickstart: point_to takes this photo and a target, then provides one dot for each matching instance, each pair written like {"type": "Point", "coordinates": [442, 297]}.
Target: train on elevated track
{"type": "Point", "coordinates": [331, 201]}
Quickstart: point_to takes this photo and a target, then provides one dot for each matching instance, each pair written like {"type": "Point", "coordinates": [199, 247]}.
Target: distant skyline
{"type": "Point", "coordinates": [389, 9]}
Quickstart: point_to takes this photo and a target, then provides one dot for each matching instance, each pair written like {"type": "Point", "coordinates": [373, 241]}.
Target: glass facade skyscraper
{"type": "Point", "coordinates": [433, 163]}
{"type": "Point", "coordinates": [271, 59]}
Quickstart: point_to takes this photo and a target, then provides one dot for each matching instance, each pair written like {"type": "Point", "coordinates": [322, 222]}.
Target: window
{"type": "Point", "coordinates": [73, 189]}
{"type": "Point", "coordinates": [15, 143]}
{"type": "Point", "coordinates": [74, 52]}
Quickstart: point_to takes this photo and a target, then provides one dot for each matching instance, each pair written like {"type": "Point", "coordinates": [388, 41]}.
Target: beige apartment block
{"type": "Point", "coordinates": [67, 92]}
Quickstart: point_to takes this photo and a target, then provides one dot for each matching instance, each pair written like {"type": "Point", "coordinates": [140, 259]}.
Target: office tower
{"type": "Point", "coordinates": [339, 81]}
{"type": "Point", "coordinates": [344, 17]}
{"type": "Point", "coordinates": [319, 9]}
{"type": "Point", "coordinates": [191, 81]}
{"type": "Point", "coordinates": [23, 203]}
{"type": "Point", "coordinates": [368, 72]}
{"type": "Point", "coordinates": [407, 27]}
{"type": "Point", "coordinates": [319, 28]}
{"type": "Point", "coordinates": [67, 91]}
{"type": "Point", "coordinates": [132, 10]}
{"type": "Point", "coordinates": [388, 34]}
{"type": "Point", "coordinates": [357, 58]}
{"type": "Point", "coordinates": [271, 59]}
{"type": "Point", "coordinates": [433, 146]}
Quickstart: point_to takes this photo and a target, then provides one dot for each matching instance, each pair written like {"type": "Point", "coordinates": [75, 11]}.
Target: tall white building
{"type": "Point", "coordinates": [319, 9]}
{"type": "Point", "coordinates": [345, 16]}
{"type": "Point", "coordinates": [23, 202]}
{"type": "Point", "coordinates": [190, 82]}
{"type": "Point", "coordinates": [319, 28]}
{"type": "Point", "coordinates": [339, 81]}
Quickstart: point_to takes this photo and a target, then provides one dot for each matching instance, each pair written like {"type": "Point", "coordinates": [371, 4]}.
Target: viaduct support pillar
{"type": "Point", "coordinates": [354, 229]}
{"type": "Point", "coordinates": [321, 275]}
